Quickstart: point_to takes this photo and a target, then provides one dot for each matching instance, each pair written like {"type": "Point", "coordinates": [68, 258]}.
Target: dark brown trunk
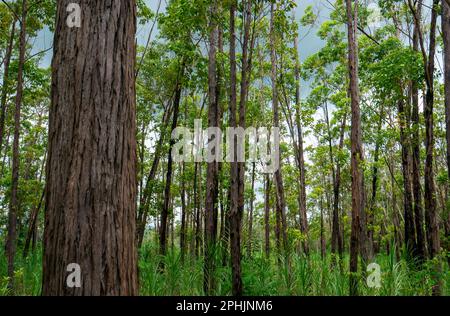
{"type": "Point", "coordinates": [281, 204]}
{"type": "Point", "coordinates": [336, 236]}
{"type": "Point", "coordinates": [356, 141]}
{"type": "Point", "coordinates": [416, 165]}
{"type": "Point", "coordinates": [267, 215]}
{"type": "Point", "coordinates": [14, 202]}
{"type": "Point", "coordinates": [90, 214]}
{"type": "Point", "coordinates": [410, 239]}
{"type": "Point", "coordinates": [167, 188]}
{"type": "Point", "coordinates": [211, 210]}
{"type": "Point", "coordinates": [183, 214]}
{"type": "Point", "coordinates": [3, 102]}
{"type": "Point", "coordinates": [446, 38]}
{"type": "Point", "coordinates": [250, 215]}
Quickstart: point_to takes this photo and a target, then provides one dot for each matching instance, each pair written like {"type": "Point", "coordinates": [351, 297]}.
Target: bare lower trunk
{"type": "Point", "coordinates": [356, 140]}
{"type": "Point", "coordinates": [14, 202]}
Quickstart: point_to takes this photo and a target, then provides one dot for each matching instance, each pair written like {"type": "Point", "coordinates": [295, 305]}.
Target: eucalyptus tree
{"type": "Point", "coordinates": [90, 194]}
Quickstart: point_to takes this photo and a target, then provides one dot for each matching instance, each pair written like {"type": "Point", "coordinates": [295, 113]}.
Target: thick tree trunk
{"type": "Point", "coordinates": [90, 217]}
{"type": "Point", "coordinates": [356, 140]}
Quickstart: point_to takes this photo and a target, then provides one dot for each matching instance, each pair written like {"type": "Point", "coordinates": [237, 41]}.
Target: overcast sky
{"type": "Point", "coordinates": [310, 42]}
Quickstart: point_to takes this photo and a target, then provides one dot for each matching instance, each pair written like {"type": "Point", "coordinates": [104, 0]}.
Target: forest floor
{"type": "Point", "coordinates": [311, 276]}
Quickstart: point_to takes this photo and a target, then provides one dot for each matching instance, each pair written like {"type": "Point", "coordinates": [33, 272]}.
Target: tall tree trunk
{"type": "Point", "coordinates": [211, 210]}
{"type": "Point", "coordinates": [183, 214]}
{"type": "Point", "coordinates": [336, 236]}
{"type": "Point", "coordinates": [267, 215]}
{"type": "Point", "coordinates": [90, 217]}
{"type": "Point", "coordinates": [356, 140]}
{"type": "Point", "coordinates": [416, 165]}
{"type": "Point", "coordinates": [446, 38]}
{"type": "Point", "coordinates": [142, 214]}
{"type": "Point", "coordinates": [410, 234]}
{"type": "Point", "coordinates": [14, 202]}
{"type": "Point", "coordinates": [3, 101]}
{"type": "Point", "coordinates": [250, 215]}
{"type": "Point", "coordinates": [430, 188]}
{"type": "Point", "coordinates": [167, 189]}
{"type": "Point", "coordinates": [281, 205]}
{"type": "Point", "coordinates": [301, 158]}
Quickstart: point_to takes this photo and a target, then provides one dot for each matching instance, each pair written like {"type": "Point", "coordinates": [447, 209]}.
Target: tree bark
{"type": "Point", "coordinates": [211, 208]}
{"type": "Point", "coordinates": [14, 202]}
{"type": "Point", "coordinates": [416, 165]}
{"type": "Point", "coordinates": [281, 205]}
{"type": "Point", "coordinates": [356, 140]}
{"type": "Point", "coordinates": [446, 38]}
{"type": "Point", "coordinates": [90, 217]}
{"type": "Point", "coordinates": [163, 234]}
{"type": "Point", "coordinates": [3, 102]}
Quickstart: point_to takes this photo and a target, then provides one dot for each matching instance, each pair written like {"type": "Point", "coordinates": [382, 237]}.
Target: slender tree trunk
{"type": "Point", "coordinates": [14, 202]}
{"type": "Point", "coordinates": [148, 189]}
{"type": "Point", "coordinates": [281, 205]}
{"type": "Point", "coordinates": [267, 215]}
{"type": "Point", "coordinates": [406, 168]}
{"type": "Point", "coordinates": [336, 236]}
{"type": "Point", "coordinates": [3, 102]}
{"type": "Point", "coordinates": [446, 38]}
{"type": "Point", "coordinates": [183, 214]}
{"type": "Point", "coordinates": [90, 217]}
{"type": "Point", "coordinates": [416, 165]}
{"type": "Point", "coordinates": [212, 167]}
{"type": "Point", "coordinates": [356, 140]}
{"type": "Point", "coordinates": [167, 189]}
{"type": "Point", "coordinates": [250, 215]}
{"type": "Point", "coordinates": [430, 187]}
{"type": "Point", "coordinates": [302, 169]}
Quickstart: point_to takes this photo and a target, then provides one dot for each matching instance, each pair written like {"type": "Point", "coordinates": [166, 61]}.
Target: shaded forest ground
{"type": "Point", "coordinates": [311, 276]}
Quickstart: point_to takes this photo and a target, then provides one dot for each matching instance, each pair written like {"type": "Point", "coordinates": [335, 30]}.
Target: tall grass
{"type": "Point", "coordinates": [295, 275]}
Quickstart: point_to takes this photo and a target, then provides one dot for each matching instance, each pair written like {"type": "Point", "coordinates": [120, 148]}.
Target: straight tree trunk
{"type": "Point", "coordinates": [183, 214]}
{"type": "Point", "coordinates": [410, 234]}
{"type": "Point", "coordinates": [430, 187]}
{"type": "Point", "coordinates": [250, 215]}
{"type": "Point", "coordinates": [90, 217]}
{"type": "Point", "coordinates": [267, 215]}
{"type": "Point", "coordinates": [211, 209]}
{"type": "Point", "coordinates": [356, 140]}
{"type": "Point", "coordinates": [336, 236]}
{"type": "Point", "coordinates": [301, 158]}
{"type": "Point", "coordinates": [281, 205]}
{"type": "Point", "coordinates": [446, 38]}
{"type": "Point", "coordinates": [14, 202]}
{"type": "Point", "coordinates": [3, 103]}
{"type": "Point", "coordinates": [416, 165]}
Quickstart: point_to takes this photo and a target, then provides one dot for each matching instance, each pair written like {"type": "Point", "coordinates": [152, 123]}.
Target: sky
{"type": "Point", "coordinates": [309, 43]}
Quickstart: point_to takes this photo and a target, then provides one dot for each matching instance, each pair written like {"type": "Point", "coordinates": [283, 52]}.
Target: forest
{"type": "Point", "coordinates": [225, 148]}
